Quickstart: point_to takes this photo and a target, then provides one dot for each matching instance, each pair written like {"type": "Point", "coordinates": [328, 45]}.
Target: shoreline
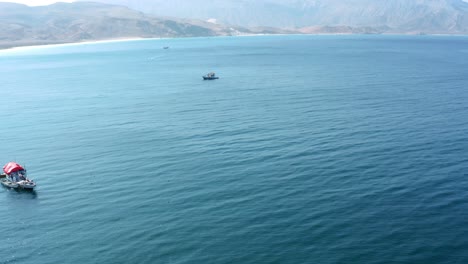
{"type": "Point", "coordinates": [116, 40]}
{"type": "Point", "coordinates": [66, 44]}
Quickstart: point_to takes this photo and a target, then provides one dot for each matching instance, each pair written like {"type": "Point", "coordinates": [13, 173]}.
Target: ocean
{"type": "Point", "coordinates": [308, 149]}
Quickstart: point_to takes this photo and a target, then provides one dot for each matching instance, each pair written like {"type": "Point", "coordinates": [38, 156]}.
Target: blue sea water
{"type": "Point", "coordinates": [308, 149]}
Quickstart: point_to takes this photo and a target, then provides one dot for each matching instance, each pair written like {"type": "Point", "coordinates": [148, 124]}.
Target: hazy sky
{"type": "Point", "coordinates": [36, 2]}
{"type": "Point", "coordinates": [48, 2]}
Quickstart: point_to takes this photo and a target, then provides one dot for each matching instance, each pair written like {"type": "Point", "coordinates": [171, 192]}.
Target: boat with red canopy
{"type": "Point", "coordinates": [210, 76]}
{"type": "Point", "coordinates": [15, 177]}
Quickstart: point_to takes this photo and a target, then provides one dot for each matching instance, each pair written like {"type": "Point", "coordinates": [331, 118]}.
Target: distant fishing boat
{"type": "Point", "coordinates": [15, 177]}
{"type": "Point", "coordinates": [210, 76]}
{"type": "Point", "coordinates": [166, 47]}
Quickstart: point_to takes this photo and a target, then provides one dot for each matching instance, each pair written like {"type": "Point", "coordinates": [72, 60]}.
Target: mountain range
{"type": "Point", "coordinates": [385, 16]}
{"type": "Point", "coordinates": [22, 25]}
{"type": "Point", "coordinates": [112, 19]}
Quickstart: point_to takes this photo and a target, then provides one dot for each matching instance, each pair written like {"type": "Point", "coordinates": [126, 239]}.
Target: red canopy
{"type": "Point", "coordinates": [12, 167]}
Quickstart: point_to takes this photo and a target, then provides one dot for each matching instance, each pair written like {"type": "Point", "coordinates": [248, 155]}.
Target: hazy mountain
{"type": "Point", "coordinates": [398, 16]}
{"type": "Point", "coordinates": [80, 21]}
{"type": "Point", "coordinates": [62, 22]}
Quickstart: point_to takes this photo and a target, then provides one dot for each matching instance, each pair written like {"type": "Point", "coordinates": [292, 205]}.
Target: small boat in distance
{"type": "Point", "coordinates": [210, 76]}
{"type": "Point", "coordinates": [166, 47]}
{"type": "Point", "coordinates": [15, 177]}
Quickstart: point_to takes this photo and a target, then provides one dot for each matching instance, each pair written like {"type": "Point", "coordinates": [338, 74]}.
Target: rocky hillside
{"type": "Point", "coordinates": [83, 21]}
{"type": "Point", "coordinates": [61, 23]}
{"type": "Point", "coordinates": [350, 16]}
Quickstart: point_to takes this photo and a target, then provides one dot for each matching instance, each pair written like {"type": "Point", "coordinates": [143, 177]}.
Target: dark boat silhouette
{"type": "Point", "coordinates": [210, 76]}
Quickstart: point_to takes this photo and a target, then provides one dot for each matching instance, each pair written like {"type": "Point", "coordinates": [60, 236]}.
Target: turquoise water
{"type": "Point", "coordinates": [308, 149]}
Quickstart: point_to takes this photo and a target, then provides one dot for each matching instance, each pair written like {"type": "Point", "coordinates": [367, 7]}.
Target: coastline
{"type": "Point", "coordinates": [66, 44]}
{"type": "Point", "coordinates": [29, 46]}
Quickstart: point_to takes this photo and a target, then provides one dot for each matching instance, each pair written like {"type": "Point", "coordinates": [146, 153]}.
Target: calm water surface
{"type": "Point", "coordinates": [308, 149]}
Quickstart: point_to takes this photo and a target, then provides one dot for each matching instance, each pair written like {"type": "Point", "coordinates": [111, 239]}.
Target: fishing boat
{"type": "Point", "coordinates": [15, 177]}
{"type": "Point", "coordinates": [210, 76]}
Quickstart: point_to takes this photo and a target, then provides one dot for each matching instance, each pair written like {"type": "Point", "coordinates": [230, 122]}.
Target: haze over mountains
{"type": "Point", "coordinates": [81, 21]}
{"type": "Point", "coordinates": [388, 16]}
{"type": "Point", "coordinates": [63, 22]}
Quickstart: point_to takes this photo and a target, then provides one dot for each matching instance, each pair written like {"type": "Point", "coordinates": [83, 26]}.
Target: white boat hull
{"type": "Point", "coordinates": [9, 184]}
{"type": "Point", "coordinates": [18, 185]}
{"type": "Point", "coordinates": [26, 185]}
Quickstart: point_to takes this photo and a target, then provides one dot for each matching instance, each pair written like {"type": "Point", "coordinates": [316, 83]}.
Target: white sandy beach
{"type": "Point", "coordinates": [45, 46]}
